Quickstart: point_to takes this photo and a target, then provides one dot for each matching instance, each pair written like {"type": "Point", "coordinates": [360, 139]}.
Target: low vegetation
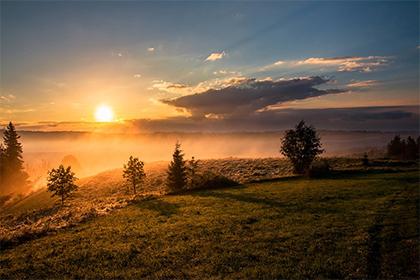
{"type": "Point", "coordinates": [354, 225]}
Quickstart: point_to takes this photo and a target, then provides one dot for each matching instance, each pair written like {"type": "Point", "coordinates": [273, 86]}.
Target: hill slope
{"type": "Point", "coordinates": [358, 225]}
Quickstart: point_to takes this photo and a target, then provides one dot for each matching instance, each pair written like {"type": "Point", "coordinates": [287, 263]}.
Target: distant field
{"type": "Point", "coordinates": [354, 225]}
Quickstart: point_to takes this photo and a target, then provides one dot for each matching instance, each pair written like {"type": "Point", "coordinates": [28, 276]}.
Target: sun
{"type": "Point", "coordinates": [104, 113]}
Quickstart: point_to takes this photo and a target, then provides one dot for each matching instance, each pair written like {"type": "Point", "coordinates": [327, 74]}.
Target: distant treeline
{"type": "Point", "coordinates": [404, 149]}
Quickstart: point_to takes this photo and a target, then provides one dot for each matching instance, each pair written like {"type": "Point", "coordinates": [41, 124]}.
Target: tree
{"type": "Point", "coordinates": [410, 149]}
{"type": "Point", "coordinates": [14, 176]}
{"type": "Point", "coordinates": [395, 148]}
{"type": "Point", "coordinates": [134, 172]}
{"type": "Point", "coordinates": [365, 160]}
{"type": "Point", "coordinates": [301, 146]}
{"type": "Point", "coordinates": [61, 182]}
{"type": "Point", "coordinates": [192, 169]}
{"type": "Point", "coordinates": [2, 167]}
{"type": "Point", "coordinates": [177, 171]}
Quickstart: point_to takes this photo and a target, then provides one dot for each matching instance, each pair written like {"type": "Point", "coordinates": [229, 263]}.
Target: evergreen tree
{"type": "Point", "coordinates": [192, 170]}
{"type": "Point", "coordinates": [410, 149]}
{"type": "Point", "coordinates": [418, 147]}
{"type": "Point", "coordinates": [134, 172]}
{"type": "Point", "coordinates": [2, 168]}
{"type": "Point", "coordinates": [14, 176]}
{"type": "Point", "coordinates": [61, 182]}
{"type": "Point", "coordinates": [395, 148]}
{"type": "Point", "coordinates": [177, 171]}
{"type": "Point", "coordinates": [301, 146]}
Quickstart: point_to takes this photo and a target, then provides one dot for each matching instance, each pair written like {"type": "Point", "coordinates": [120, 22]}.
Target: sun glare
{"type": "Point", "coordinates": [104, 113]}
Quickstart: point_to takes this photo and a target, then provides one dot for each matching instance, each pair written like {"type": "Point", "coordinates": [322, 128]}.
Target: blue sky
{"type": "Point", "coordinates": [61, 59]}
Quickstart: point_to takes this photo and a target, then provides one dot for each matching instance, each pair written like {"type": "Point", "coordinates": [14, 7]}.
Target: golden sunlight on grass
{"type": "Point", "coordinates": [104, 113]}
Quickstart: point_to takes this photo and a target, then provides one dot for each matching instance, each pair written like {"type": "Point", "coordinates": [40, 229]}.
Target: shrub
{"type": "Point", "coordinates": [210, 180]}
{"type": "Point", "coordinates": [319, 169]}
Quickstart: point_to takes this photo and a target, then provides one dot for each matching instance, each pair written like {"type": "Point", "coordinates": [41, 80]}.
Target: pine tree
{"type": "Point", "coordinates": [134, 172]}
{"type": "Point", "coordinates": [177, 171]}
{"type": "Point", "coordinates": [15, 177]}
{"type": "Point", "coordinates": [61, 182]}
{"type": "Point", "coordinates": [2, 168]}
{"type": "Point", "coordinates": [395, 148]}
{"type": "Point", "coordinates": [410, 149]}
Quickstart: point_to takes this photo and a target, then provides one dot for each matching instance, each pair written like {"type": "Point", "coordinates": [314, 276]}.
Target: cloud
{"type": "Point", "coordinates": [7, 98]}
{"type": "Point", "coordinates": [349, 63]}
{"type": "Point", "coordinates": [248, 95]}
{"type": "Point", "coordinates": [151, 49]}
{"type": "Point", "coordinates": [183, 89]}
{"type": "Point", "coordinates": [215, 56]}
{"type": "Point", "coordinates": [363, 84]}
{"type": "Point", "coordinates": [137, 75]}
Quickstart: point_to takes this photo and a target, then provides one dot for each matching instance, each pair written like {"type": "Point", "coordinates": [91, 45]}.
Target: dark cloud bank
{"type": "Point", "coordinates": [241, 107]}
{"type": "Point", "coordinates": [393, 118]}
{"type": "Point", "coordinates": [250, 95]}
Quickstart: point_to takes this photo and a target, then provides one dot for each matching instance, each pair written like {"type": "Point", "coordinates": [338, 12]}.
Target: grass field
{"type": "Point", "coordinates": [354, 225]}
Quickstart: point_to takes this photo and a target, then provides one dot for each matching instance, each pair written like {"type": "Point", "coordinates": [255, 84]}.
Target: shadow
{"type": "Point", "coordinates": [241, 197]}
{"type": "Point", "coordinates": [358, 173]}
{"type": "Point", "coordinates": [162, 207]}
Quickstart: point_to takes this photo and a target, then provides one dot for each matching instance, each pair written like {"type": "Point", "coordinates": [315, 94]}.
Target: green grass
{"type": "Point", "coordinates": [351, 226]}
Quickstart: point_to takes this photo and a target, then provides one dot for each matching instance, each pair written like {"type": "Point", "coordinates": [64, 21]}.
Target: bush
{"type": "Point", "coordinates": [319, 169]}
{"type": "Point", "coordinates": [210, 180]}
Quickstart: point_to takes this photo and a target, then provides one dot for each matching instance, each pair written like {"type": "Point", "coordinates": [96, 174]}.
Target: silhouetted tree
{"type": "Point", "coordinates": [395, 148]}
{"type": "Point", "coordinates": [301, 146]}
{"type": "Point", "coordinates": [2, 167]}
{"type": "Point", "coordinates": [134, 173]}
{"type": "Point", "coordinates": [410, 151]}
{"type": "Point", "coordinates": [192, 169]}
{"type": "Point", "coordinates": [14, 176]}
{"type": "Point", "coordinates": [418, 147]}
{"type": "Point", "coordinates": [60, 182]}
{"type": "Point", "coordinates": [177, 174]}
{"type": "Point", "coordinates": [365, 160]}
{"type": "Point", "coordinates": [403, 149]}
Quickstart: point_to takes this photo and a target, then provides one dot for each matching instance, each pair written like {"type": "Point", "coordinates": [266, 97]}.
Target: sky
{"type": "Point", "coordinates": [216, 66]}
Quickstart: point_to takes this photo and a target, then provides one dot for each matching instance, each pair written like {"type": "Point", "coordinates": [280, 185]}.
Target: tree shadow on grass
{"type": "Point", "coordinates": [162, 207]}
{"type": "Point", "coordinates": [249, 198]}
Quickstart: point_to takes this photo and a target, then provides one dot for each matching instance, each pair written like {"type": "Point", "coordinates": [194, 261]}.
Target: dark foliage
{"type": "Point", "coordinates": [192, 172]}
{"type": "Point", "coordinates": [13, 178]}
{"type": "Point", "coordinates": [301, 146]}
{"type": "Point", "coordinates": [365, 160]}
{"type": "Point", "coordinates": [177, 171]}
{"type": "Point", "coordinates": [319, 169]}
{"type": "Point", "coordinates": [210, 180]}
{"type": "Point", "coordinates": [403, 149]}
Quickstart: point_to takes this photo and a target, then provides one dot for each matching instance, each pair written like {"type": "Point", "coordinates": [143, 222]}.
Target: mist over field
{"type": "Point", "coordinates": [91, 153]}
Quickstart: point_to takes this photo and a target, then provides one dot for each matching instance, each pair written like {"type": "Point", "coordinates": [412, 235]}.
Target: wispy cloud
{"type": "Point", "coordinates": [215, 56]}
{"type": "Point", "coordinates": [341, 64]}
{"type": "Point", "coordinates": [363, 84]}
{"type": "Point", "coordinates": [349, 63]}
{"type": "Point", "coordinates": [7, 98]}
{"type": "Point", "coordinates": [151, 49]}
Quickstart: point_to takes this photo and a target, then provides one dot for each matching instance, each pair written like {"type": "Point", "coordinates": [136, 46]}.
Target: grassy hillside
{"type": "Point", "coordinates": [357, 225]}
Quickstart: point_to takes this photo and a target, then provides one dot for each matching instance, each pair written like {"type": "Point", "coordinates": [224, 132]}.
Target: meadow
{"type": "Point", "coordinates": [353, 224]}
